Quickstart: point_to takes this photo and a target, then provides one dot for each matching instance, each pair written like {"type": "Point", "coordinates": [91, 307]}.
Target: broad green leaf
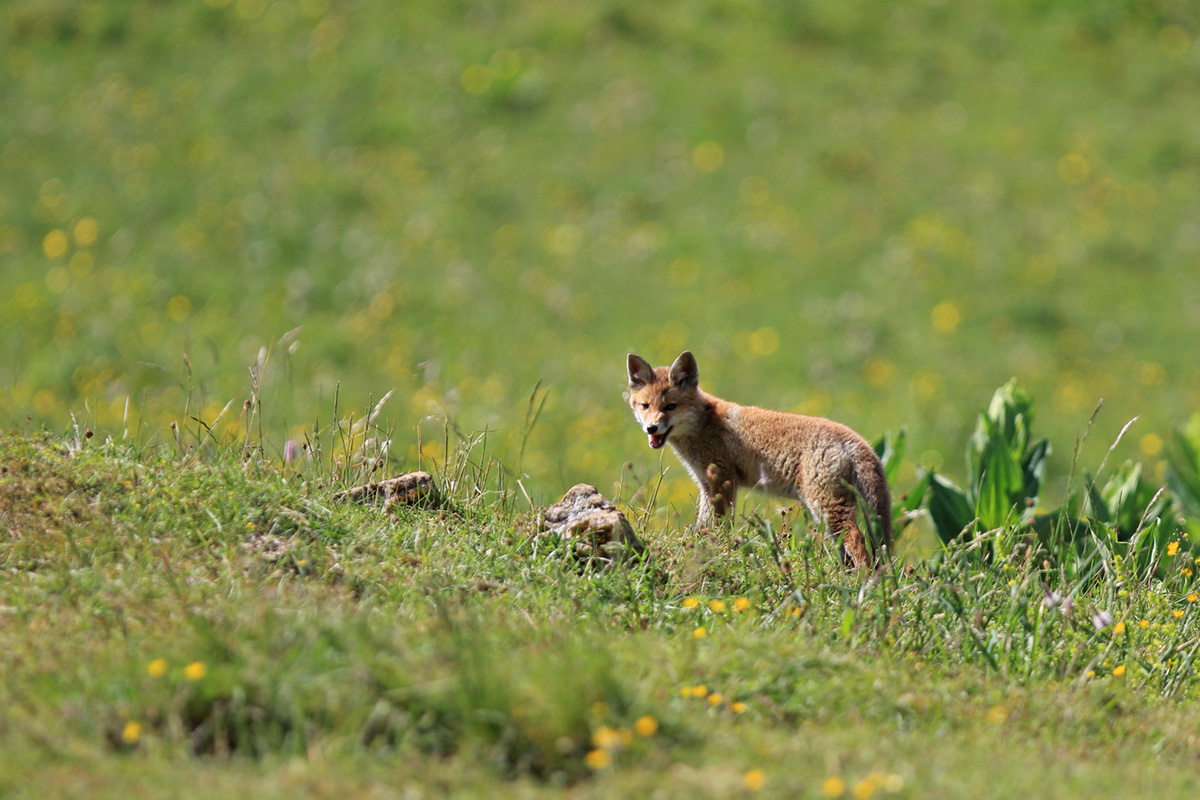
{"type": "Point", "coordinates": [1010, 416]}
{"type": "Point", "coordinates": [1094, 504]}
{"type": "Point", "coordinates": [1186, 491]}
{"type": "Point", "coordinates": [1125, 500]}
{"type": "Point", "coordinates": [1052, 530]}
{"type": "Point", "coordinates": [915, 496]}
{"type": "Point", "coordinates": [890, 449]}
{"type": "Point", "coordinates": [1183, 468]}
{"type": "Point", "coordinates": [1188, 437]}
{"type": "Point", "coordinates": [999, 484]}
{"type": "Point", "coordinates": [1148, 543]}
{"type": "Point", "coordinates": [1006, 472]}
{"type": "Point", "coordinates": [949, 508]}
{"type": "Point", "coordinates": [1033, 466]}
{"type": "Point", "coordinates": [1122, 495]}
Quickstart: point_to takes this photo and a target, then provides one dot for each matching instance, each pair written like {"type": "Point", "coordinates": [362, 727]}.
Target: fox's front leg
{"type": "Point", "coordinates": [718, 493]}
{"type": "Point", "coordinates": [704, 508]}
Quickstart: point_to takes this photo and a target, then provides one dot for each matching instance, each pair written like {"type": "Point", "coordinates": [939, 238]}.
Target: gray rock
{"type": "Point", "coordinates": [593, 525]}
{"type": "Point", "coordinates": [411, 488]}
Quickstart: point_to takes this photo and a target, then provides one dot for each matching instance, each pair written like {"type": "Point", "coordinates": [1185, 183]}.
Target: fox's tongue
{"type": "Point", "coordinates": [657, 440]}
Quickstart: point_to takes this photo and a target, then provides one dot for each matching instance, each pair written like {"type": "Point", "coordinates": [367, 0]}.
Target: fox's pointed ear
{"type": "Point", "coordinates": [684, 372]}
{"type": "Point", "coordinates": [640, 371]}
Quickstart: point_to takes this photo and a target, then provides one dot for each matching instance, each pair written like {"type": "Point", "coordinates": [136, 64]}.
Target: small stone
{"type": "Point", "coordinates": [268, 547]}
{"type": "Point", "coordinates": [411, 488]}
{"type": "Point", "coordinates": [594, 524]}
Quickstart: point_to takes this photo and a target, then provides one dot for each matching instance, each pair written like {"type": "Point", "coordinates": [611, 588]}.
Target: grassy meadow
{"type": "Point", "coordinates": [201, 625]}
{"type": "Point", "coordinates": [878, 216]}
{"type": "Point", "coordinates": [381, 236]}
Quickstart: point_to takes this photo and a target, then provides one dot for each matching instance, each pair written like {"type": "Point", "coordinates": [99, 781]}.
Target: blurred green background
{"type": "Point", "coordinates": [877, 212]}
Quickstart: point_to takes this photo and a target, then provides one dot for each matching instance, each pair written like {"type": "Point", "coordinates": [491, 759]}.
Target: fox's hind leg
{"type": "Point", "coordinates": [830, 496]}
{"type": "Point", "coordinates": [842, 520]}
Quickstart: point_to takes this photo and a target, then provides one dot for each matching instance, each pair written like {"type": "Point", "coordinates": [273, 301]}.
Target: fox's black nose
{"type": "Point", "coordinates": [651, 429]}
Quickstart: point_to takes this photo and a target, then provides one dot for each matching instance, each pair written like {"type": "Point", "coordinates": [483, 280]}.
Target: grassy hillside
{"type": "Point", "coordinates": [253, 252]}
{"type": "Point", "coordinates": [173, 626]}
{"type": "Point", "coordinates": [875, 214]}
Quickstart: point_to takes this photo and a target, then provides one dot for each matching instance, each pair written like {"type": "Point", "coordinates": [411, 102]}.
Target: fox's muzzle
{"type": "Point", "coordinates": [657, 439]}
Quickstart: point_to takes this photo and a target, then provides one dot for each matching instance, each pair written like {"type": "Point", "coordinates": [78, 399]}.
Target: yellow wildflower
{"type": "Point", "coordinates": [157, 668]}
{"type": "Point", "coordinates": [1193, 597]}
{"type": "Point", "coordinates": [715, 699]}
{"type": "Point", "coordinates": [691, 602]}
{"type": "Point", "coordinates": [1119, 627]}
{"type": "Point", "coordinates": [1177, 613]}
{"type": "Point", "coordinates": [700, 632]}
{"type": "Point", "coordinates": [598, 759]}
{"type": "Point", "coordinates": [833, 787]}
{"type": "Point", "coordinates": [86, 232]}
{"type": "Point", "coordinates": [646, 725]}
{"type": "Point", "coordinates": [1119, 670]}
{"type": "Point", "coordinates": [1143, 624]}
{"type": "Point", "coordinates": [1172, 548]}
{"type": "Point", "coordinates": [864, 789]}
{"type": "Point", "coordinates": [195, 671]}
{"type": "Point", "coordinates": [55, 244]}
{"type": "Point", "coordinates": [132, 732]}
{"type": "Point", "coordinates": [741, 604]}
{"type": "Point", "coordinates": [606, 738]}
{"type": "Point", "coordinates": [716, 606]}
{"type": "Point", "coordinates": [737, 706]}
{"type": "Point", "coordinates": [754, 780]}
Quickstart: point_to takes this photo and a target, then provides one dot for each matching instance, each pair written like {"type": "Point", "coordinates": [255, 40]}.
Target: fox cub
{"type": "Point", "coordinates": [724, 446]}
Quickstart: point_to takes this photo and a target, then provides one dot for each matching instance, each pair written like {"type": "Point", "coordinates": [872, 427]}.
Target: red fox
{"type": "Point", "coordinates": [724, 446]}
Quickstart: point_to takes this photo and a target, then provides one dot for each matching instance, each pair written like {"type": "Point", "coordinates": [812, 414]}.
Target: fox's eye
{"type": "Point", "coordinates": [645, 406]}
{"type": "Point", "coordinates": [669, 407]}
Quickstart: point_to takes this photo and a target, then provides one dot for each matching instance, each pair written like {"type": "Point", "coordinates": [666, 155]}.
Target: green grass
{"type": "Point", "coordinates": [216, 624]}
{"type": "Point", "coordinates": [402, 235]}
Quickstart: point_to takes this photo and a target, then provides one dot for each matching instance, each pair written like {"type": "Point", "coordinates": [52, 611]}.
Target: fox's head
{"type": "Point", "coordinates": [664, 400]}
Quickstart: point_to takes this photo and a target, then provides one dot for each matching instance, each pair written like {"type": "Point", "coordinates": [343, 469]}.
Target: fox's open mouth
{"type": "Point", "coordinates": [657, 440]}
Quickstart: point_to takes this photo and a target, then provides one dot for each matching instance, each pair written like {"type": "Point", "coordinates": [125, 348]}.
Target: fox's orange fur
{"type": "Point", "coordinates": [724, 446]}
